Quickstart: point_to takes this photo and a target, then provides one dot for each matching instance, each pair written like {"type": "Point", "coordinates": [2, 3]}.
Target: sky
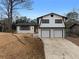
{"type": "Point", "coordinates": [42, 7]}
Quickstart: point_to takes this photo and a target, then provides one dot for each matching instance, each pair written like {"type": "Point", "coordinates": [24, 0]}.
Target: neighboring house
{"type": "Point", "coordinates": [26, 28]}
{"type": "Point", "coordinates": [74, 29]}
{"type": "Point", "coordinates": [51, 26]}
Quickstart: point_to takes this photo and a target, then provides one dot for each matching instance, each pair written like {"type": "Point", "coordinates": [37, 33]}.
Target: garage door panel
{"type": "Point", "coordinates": [45, 32]}
{"type": "Point", "coordinates": [53, 33]}
{"type": "Point", "coordinates": [58, 33]}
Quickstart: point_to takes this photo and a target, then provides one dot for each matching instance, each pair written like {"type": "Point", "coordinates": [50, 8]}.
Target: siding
{"type": "Point", "coordinates": [52, 21]}
{"type": "Point", "coordinates": [25, 31]}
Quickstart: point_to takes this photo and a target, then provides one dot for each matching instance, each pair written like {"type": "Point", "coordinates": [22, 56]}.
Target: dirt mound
{"type": "Point", "coordinates": [19, 46]}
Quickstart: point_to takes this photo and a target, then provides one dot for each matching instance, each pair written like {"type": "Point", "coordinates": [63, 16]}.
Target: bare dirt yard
{"type": "Point", "coordinates": [74, 40]}
{"type": "Point", "coordinates": [20, 46]}
{"type": "Point", "coordinates": [58, 48]}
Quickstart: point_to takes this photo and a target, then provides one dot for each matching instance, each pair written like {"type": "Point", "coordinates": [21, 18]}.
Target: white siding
{"type": "Point", "coordinates": [25, 31]}
{"type": "Point", "coordinates": [52, 21]}
{"type": "Point", "coordinates": [52, 24]}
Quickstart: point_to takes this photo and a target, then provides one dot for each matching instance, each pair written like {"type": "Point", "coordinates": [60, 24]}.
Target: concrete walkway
{"type": "Point", "coordinates": [60, 49]}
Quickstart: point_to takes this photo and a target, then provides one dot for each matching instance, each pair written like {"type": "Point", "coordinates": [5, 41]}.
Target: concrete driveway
{"type": "Point", "coordinates": [59, 48]}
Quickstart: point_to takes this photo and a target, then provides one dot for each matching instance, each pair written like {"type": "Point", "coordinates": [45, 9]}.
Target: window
{"type": "Point", "coordinates": [58, 21]}
{"type": "Point", "coordinates": [45, 20]}
{"type": "Point", "coordinates": [51, 15]}
{"type": "Point", "coordinates": [24, 27]}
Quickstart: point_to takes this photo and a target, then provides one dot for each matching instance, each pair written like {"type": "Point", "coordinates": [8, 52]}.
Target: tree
{"type": "Point", "coordinates": [72, 18]}
{"type": "Point", "coordinates": [34, 21]}
{"type": "Point", "coordinates": [23, 20]}
{"type": "Point", "coordinates": [8, 7]}
{"type": "Point", "coordinates": [72, 15]}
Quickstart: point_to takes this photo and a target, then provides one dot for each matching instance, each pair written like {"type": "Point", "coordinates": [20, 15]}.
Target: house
{"type": "Point", "coordinates": [51, 26]}
{"type": "Point", "coordinates": [74, 29]}
{"type": "Point", "coordinates": [26, 28]}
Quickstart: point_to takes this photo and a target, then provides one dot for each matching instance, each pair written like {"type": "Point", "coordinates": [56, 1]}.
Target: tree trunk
{"type": "Point", "coordinates": [10, 16]}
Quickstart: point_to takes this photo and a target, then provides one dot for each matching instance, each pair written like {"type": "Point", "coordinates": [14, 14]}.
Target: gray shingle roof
{"type": "Point", "coordinates": [27, 24]}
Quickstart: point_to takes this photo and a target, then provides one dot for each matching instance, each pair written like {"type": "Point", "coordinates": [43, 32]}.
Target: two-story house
{"type": "Point", "coordinates": [51, 26]}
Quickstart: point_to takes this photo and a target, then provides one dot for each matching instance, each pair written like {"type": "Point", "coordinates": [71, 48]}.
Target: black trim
{"type": "Point", "coordinates": [45, 21]}
{"type": "Point", "coordinates": [58, 21]}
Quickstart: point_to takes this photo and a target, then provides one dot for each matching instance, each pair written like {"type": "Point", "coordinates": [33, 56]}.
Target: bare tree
{"type": "Point", "coordinates": [8, 7]}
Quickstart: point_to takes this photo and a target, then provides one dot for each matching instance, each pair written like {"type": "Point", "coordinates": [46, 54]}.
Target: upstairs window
{"type": "Point", "coordinates": [45, 20]}
{"type": "Point", "coordinates": [58, 20]}
{"type": "Point", "coordinates": [24, 27]}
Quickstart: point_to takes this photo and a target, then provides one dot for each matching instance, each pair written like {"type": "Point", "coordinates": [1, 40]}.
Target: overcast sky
{"type": "Point", "coordinates": [42, 7]}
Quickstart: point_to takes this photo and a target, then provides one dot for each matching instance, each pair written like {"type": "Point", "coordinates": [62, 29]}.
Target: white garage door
{"type": "Point", "coordinates": [57, 33]}
{"type": "Point", "coordinates": [45, 33]}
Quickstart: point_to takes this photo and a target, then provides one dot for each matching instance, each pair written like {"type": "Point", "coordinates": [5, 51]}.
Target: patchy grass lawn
{"type": "Point", "coordinates": [20, 46]}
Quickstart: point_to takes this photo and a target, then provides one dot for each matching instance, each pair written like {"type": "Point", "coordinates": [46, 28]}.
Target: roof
{"type": "Point", "coordinates": [52, 14]}
{"type": "Point", "coordinates": [76, 23]}
{"type": "Point", "coordinates": [26, 24]}
{"type": "Point", "coordinates": [72, 24]}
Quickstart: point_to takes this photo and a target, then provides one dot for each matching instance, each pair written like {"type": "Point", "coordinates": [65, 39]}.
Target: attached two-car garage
{"type": "Point", "coordinates": [45, 32]}
{"type": "Point", "coordinates": [58, 33]}
{"type": "Point", "coordinates": [52, 33]}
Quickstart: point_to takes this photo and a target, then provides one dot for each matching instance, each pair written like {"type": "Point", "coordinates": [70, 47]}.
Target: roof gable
{"type": "Point", "coordinates": [52, 14]}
